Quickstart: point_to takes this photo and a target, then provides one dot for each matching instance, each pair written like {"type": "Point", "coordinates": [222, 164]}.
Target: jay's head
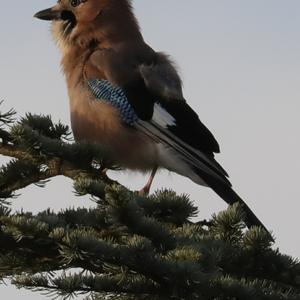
{"type": "Point", "coordinates": [81, 21]}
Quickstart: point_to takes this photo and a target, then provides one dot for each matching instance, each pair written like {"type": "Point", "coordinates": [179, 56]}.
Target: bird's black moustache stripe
{"type": "Point", "coordinates": [67, 15]}
{"type": "Point", "coordinates": [69, 21]}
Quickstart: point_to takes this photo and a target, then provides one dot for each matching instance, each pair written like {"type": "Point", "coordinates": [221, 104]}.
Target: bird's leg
{"type": "Point", "coordinates": [104, 171]}
{"type": "Point", "coordinates": [145, 190]}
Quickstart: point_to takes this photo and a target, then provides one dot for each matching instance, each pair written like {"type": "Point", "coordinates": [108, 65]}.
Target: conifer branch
{"type": "Point", "coordinates": [39, 144]}
{"type": "Point", "coordinates": [128, 247]}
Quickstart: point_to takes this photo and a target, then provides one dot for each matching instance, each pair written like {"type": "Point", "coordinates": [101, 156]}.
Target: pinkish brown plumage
{"type": "Point", "coordinates": [128, 97]}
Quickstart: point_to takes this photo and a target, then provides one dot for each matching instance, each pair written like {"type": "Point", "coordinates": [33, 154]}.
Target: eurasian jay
{"type": "Point", "coordinates": [128, 97]}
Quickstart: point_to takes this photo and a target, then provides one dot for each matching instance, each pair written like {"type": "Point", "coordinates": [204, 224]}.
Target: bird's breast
{"type": "Point", "coordinates": [96, 121]}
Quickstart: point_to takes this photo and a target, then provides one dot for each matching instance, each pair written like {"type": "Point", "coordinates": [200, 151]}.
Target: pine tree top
{"type": "Point", "coordinates": [128, 246]}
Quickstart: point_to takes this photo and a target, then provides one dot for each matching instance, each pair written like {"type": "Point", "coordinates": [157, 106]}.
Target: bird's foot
{"type": "Point", "coordinates": [144, 192]}
{"type": "Point", "coordinates": [146, 189]}
{"type": "Point", "coordinates": [104, 171]}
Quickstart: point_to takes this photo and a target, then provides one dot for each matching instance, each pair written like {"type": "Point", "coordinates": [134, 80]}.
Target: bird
{"type": "Point", "coordinates": [128, 97]}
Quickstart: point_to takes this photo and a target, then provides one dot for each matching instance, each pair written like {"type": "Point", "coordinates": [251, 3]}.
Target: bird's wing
{"type": "Point", "coordinates": [162, 82]}
{"type": "Point", "coordinates": [151, 102]}
{"type": "Point", "coordinates": [160, 124]}
{"type": "Point", "coordinates": [149, 98]}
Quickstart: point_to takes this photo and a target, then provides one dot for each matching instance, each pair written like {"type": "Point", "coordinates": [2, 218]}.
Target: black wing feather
{"type": "Point", "coordinates": [188, 126]}
{"type": "Point", "coordinates": [140, 98]}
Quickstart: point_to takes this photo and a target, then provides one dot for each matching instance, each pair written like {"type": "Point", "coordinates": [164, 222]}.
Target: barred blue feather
{"type": "Point", "coordinates": [104, 90]}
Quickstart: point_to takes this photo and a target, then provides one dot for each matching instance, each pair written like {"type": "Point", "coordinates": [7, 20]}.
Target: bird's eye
{"type": "Point", "coordinates": [75, 3]}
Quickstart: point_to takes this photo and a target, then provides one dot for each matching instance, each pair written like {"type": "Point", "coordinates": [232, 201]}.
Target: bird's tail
{"type": "Point", "coordinates": [226, 192]}
{"type": "Point", "coordinates": [178, 156]}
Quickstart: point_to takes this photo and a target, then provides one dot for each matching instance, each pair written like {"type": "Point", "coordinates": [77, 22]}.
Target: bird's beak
{"type": "Point", "coordinates": [49, 14]}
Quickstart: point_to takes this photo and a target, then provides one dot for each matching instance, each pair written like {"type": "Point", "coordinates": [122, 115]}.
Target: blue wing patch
{"type": "Point", "coordinates": [104, 90]}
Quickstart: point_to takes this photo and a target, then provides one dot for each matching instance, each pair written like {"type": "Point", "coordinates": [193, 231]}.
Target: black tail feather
{"type": "Point", "coordinates": [230, 196]}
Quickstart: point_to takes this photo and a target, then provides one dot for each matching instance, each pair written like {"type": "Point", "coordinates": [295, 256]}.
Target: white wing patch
{"type": "Point", "coordinates": [171, 160]}
{"type": "Point", "coordinates": [162, 117]}
{"type": "Point", "coordinates": [189, 156]}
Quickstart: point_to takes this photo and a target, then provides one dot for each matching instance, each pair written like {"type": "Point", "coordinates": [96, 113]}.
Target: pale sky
{"type": "Point", "coordinates": [240, 62]}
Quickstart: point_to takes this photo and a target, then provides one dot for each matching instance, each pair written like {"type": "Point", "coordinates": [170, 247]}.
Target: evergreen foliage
{"type": "Point", "coordinates": [128, 246]}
